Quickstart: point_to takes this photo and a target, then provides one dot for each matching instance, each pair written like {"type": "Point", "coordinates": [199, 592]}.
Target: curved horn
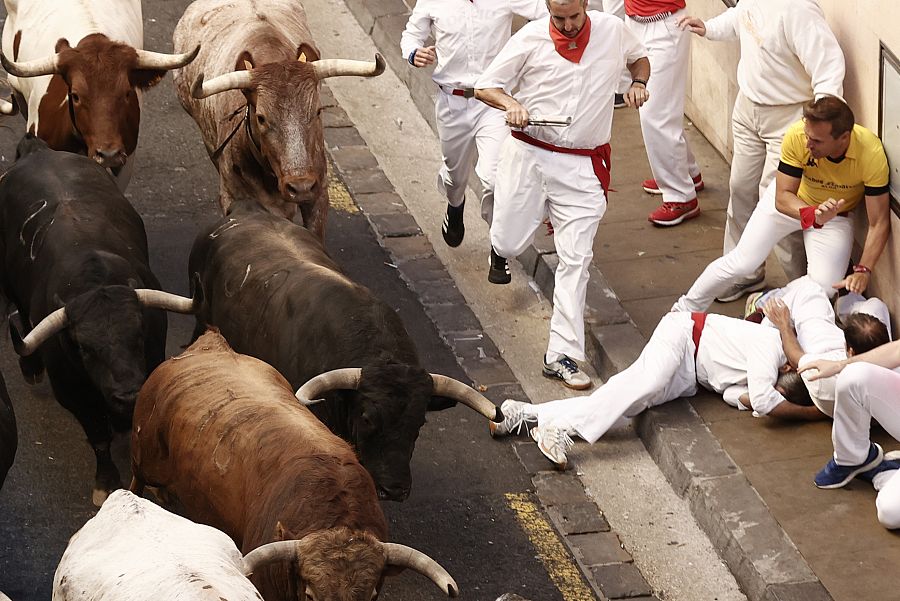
{"type": "Point", "coordinates": [8, 107]}
{"type": "Point", "coordinates": [407, 557]}
{"type": "Point", "coordinates": [159, 299]}
{"type": "Point", "coordinates": [48, 65]}
{"type": "Point", "coordinates": [346, 378]}
{"type": "Point", "coordinates": [285, 550]}
{"type": "Point", "coordinates": [4, 597]}
{"type": "Point", "coordinates": [454, 389]}
{"type": "Point", "coordinates": [334, 67]}
{"type": "Point", "coordinates": [48, 326]}
{"type": "Point", "coordinates": [236, 80]}
{"type": "Point", "coordinates": [164, 61]}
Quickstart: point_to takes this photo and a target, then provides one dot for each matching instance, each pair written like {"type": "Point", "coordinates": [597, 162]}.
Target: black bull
{"type": "Point", "coordinates": [75, 263]}
{"type": "Point", "coordinates": [8, 438]}
{"type": "Point", "coordinates": [274, 293]}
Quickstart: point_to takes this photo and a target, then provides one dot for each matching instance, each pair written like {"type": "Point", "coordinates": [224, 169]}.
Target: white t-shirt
{"type": "Point", "coordinates": [548, 84]}
{"type": "Point", "coordinates": [788, 51]}
{"type": "Point", "coordinates": [467, 35]}
{"type": "Point", "coordinates": [737, 356]}
{"type": "Point", "coordinates": [812, 315]}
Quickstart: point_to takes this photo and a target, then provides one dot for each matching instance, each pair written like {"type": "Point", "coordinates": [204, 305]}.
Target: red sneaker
{"type": "Point", "coordinates": [673, 213]}
{"type": "Point", "coordinates": [651, 187]}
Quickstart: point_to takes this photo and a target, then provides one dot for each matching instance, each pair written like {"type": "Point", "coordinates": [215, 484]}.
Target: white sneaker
{"type": "Point", "coordinates": [515, 415]}
{"type": "Point", "coordinates": [553, 442]}
{"type": "Point", "coordinates": [567, 370]}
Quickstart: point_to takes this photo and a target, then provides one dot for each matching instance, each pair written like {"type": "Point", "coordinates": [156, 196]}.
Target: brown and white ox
{"type": "Point", "coordinates": [260, 113]}
{"type": "Point", "coordinates": [224, 434]}
{"type": "Point", "coordinates": [78, 71]}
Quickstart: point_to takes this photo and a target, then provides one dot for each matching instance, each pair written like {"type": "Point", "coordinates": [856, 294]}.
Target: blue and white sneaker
{"type": "Point", "coordinates": [890, 462]}
{"type": "Point", "coordinates": [836, 476]}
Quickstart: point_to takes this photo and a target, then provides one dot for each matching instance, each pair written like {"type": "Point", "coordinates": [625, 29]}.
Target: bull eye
{"type": "Point", "coordinates": [75, 98]}
{"type": "Point", "coordinates": [260, 119]}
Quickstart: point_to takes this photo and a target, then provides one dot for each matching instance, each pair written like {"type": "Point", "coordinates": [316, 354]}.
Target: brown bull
{"type": "Point", "coordinates": [224, 433]}
{"type": "Point", "coordinates": [259, 115]}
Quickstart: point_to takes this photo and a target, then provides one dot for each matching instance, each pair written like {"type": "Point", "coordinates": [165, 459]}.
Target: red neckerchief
{"type": "Point", "coordinates": [571, 49]}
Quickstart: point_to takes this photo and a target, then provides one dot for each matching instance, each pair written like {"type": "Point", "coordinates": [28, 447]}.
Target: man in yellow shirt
{"type": "Point", "coordinates": [828, 166]}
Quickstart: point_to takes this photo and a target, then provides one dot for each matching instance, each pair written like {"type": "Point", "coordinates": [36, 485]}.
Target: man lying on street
{"type": "Point", "coordinates": [867, 387]}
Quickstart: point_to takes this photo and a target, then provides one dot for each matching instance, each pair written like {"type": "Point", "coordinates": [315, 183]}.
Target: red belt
{"type": "Point", "coordinates": [600, 156]}
{"type": "Point", "coordinates": [699, 320]}
{"type": "Point", "coordinates": [464, 92]}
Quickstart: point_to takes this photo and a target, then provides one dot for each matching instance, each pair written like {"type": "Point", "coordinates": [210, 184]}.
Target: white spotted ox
{"type": "Point", "coordinates": [259, 113]}
{"type": "Point", "coordinates": [78, 70]}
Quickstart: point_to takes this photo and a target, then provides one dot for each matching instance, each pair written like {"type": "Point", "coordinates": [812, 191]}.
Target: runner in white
{"type": "Point", "coordinates": [567, 64]}
{"type": "Point", "coordinates": [788, 56]}
{"type": "Point", "coordinates": [468, 34]}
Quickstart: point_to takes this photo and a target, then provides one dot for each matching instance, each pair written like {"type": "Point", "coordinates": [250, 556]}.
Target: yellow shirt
{"type": "Point", "coordinates": [863, 170]}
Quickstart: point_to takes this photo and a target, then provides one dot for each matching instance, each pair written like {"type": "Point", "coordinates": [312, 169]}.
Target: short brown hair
{"type": "Point", "coordinates": [830, 109]}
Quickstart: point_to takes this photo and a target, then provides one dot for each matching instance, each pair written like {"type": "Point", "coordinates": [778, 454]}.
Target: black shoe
{"type": "Point", "coordinates": [619, 101]}
{"type": "Point", "coordinates": [499, 272]}
{"type": "Point", "coordinates": [454, 230]}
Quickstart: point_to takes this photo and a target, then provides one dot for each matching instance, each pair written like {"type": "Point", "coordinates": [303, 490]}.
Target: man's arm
{"type": "Point", "coordinates": [721, 28]}
{"type": "Point", "coordinates": [788, 203]}
{"type": "Point", "coordinates": [516, 114]}
{"type": "Point", "coordinates": [878, 213]}
{"type": "Point", "coordinates": [412, 40]}
{"type": "Point", "coordinates": [886, 355]}
{"type": "Point", "coordinates": [637, 94]}
{"type": "Point", "coordinates": [788, 410]}
{"type": "Point", "coordinates": [780, 316]}
{"type": "Point", "coordinates": [811, 39]}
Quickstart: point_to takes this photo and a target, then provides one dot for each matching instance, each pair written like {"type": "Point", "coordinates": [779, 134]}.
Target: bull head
{"type": "Point", "coordinates": [283, 117]}
{"type": "Point", "coordinates": [320, 556]}
{"type": "Point", "coordinates": [387, 412]}
{"type": "Point", "coordinates": [103, 79]}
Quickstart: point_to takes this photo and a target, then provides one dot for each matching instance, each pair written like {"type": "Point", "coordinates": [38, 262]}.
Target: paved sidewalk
{"type": "Point", "coordinates": [749, 481]}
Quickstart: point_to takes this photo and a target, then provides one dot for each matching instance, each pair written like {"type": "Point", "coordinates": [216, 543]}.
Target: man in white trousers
{"type": "Point", "coordinates": [567, 65]}
{"type": "Point", "coordinates": [789, 55]}
{"type": "Point", "coordinates": [742, 361]}
{"type": "Point", "coordinates": [468, 34]}
{"type": "Point", "coordinates": [868, 386]}
{"type": "Point", "coordinates": [828, 166]}
{"type": "Point", "coordinates": [675, 172]}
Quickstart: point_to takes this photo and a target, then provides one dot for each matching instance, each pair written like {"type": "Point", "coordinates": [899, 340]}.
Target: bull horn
{"type": "Point", "coordinates": [407, 557]}
{"type": "Point", "coordinates": [48, 65]}
{"type": "Point", "coordinates": [8, 107]}
{"type": "Point", "coordinates": [284, 550]}
{"type": "Point", "coordinates": [4, 597]}
{"type": "Point", "coordinates": [346, 378]}
{"type": "Point", "coordinates": [50, 325]}
{"type": "Point", "coordinates": [454, 389]}
{"type": "Point", "coordinates": [164, 61]}
{"type": "Point", "coordinates": [159, 299]}
{"type": "Point", "coordinates": [236, 80]}
{"type": "Point", "coordinates": [334, 67]}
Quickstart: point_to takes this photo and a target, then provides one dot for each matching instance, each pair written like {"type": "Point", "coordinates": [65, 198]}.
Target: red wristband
{"type": "Point", "coordinates": [861, 269]}
{"type": "Point", "coordinates": [808, 218]}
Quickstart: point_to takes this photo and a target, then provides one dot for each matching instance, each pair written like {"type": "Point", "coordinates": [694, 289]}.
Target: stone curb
{"type": "Point", "coordinates": [605, 565]}
{"type": "Point", "coordinates": [764, 561]}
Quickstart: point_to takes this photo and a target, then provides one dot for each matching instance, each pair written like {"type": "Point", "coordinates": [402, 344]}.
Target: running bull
{"type": "Point", "coordinates": [224, 434]}
{"type": "Point", "coordinates": [75, 264]}
{"type": "Point", "coordinates": [259, 115]}
{"type": "Point", "coordinates": [78, 71]}
{"type": "Point", "coordinates": [270, 287]}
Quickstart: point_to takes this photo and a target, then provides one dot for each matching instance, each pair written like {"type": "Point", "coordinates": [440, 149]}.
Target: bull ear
{"type": "Point", "coordinates": [244, 59]}
{"type": "Point", "coordinates": [146, 78]}
{"type": "Point", "coordinates": [307, 52]}
{"type": "Point", "coordinates": [439, 403]}
{"type": "Point", "coordinates": [57, 301]}
{"type": "Point", "coordinates": [282, 533]}
{"type": "Point", "coordinates": [61, 44]}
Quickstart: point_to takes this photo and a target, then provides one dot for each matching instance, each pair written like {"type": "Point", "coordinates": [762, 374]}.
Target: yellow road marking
{"type": "Point", "coordinates": [338, 195]}
{"type": "Point", "coordinates": [559, 565]}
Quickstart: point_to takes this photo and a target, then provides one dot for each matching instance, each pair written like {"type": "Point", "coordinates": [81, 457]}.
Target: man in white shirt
{"type": "Point", "coordinates": [868, 388]}
{"type": "Point", "coordinates": [468, 34]}
{"type": "Point", "coordinates": [788, 56]}
{"type": "Point", "coordinates": [741, 360]}
{"type": "Point", "coordinates": [565, 65]}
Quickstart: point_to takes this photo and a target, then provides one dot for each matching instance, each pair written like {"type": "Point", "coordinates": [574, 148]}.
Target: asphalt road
{"type": "Point", "coordinates": [458, 511]}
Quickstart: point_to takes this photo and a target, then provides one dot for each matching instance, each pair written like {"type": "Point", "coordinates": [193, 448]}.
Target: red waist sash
{"type": "Point", "coordinates": [600, 156]}
{"type": "Point", "coordinates": [699, 320]}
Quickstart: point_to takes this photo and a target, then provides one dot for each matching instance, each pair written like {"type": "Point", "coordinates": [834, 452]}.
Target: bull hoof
{"type": "Point", "coordinates": [99, 496]}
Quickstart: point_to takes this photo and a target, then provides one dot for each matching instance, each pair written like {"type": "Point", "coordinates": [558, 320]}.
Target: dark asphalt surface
{"type": "Point", "coordinates": [457, 511]}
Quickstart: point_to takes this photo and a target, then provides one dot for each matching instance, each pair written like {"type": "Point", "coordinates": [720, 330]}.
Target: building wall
{"type": "Point", "coordinates": [860, 26]}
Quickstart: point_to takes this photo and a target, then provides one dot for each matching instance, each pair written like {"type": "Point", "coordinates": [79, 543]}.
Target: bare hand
{"type": "Point", "coordinates": [516, 115]}
{"type": "Point", "coordinates": [636, 96]}
{"type": "Point", "coordinates": [778, 313]}
{"type": "Point", "coordinates": [828, 209]}
{"type": "Point", "coordinates": [855, 282]}
{"type": "Point", "coordinates": [824, 367]}
{"type": "Point", "coordinates": [424, 56]}
{"type": "Point", "coordinates": [692, 24]}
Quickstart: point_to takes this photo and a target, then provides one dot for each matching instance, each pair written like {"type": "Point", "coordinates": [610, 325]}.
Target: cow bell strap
{"type": "Point", "coordinates": [255, 150]}
{"type": "Point", "coordinates": [218, 151]}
